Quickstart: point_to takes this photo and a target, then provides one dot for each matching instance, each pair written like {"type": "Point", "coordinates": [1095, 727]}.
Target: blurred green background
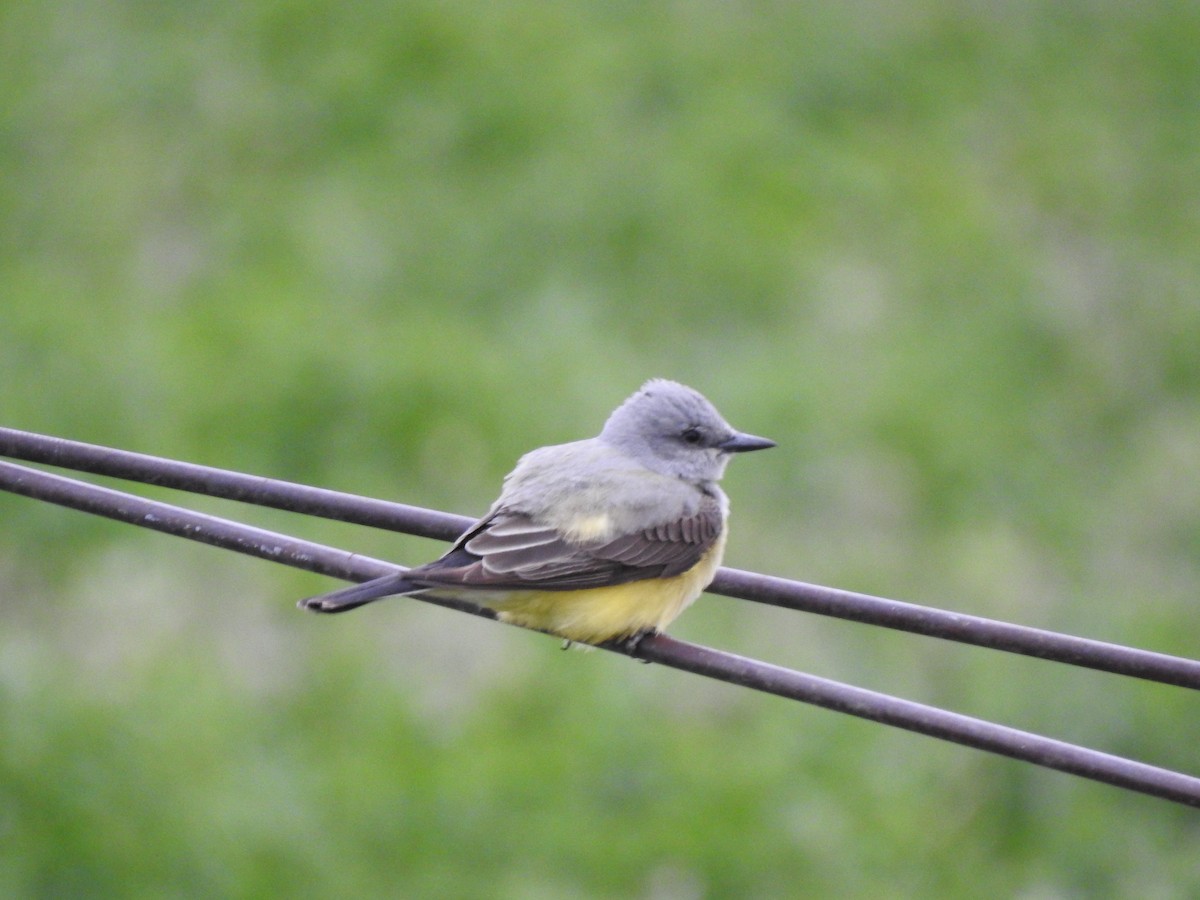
{"type": "Point", "coordinates": [945, 253]}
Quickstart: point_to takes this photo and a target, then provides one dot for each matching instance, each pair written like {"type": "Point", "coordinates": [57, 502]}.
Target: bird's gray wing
{"type": "Point", "coordinates": [510, 550]}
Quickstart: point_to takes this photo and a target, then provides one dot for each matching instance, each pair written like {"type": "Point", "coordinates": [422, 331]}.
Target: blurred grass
{"type": "Point", "coordinates": [943, 252]}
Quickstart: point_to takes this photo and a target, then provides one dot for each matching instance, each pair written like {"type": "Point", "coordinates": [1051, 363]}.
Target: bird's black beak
{"type": "Point", "coordinates": [743, 443]}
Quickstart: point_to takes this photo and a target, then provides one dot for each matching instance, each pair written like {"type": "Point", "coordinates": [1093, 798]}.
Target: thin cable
{"type": "Point", "coordinates": [227, 485]}
{"type": "Point", "coordinates": [951, 626]}
{"type": "Point", "coordinates": [942, 724]}
{"type": "Point", "coordinates": [863, 608]}
{"type": "Point", "coordinates": [201, 527]}
{"type": "Point", "coordinates": [927, 720]}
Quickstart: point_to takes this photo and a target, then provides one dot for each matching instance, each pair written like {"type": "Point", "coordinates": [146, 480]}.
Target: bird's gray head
{"type": "Point", "coordinates": [674, 430]}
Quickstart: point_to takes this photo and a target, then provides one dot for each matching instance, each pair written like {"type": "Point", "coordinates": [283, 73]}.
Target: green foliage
{"type": "Point", "coordinates": [944, 253]}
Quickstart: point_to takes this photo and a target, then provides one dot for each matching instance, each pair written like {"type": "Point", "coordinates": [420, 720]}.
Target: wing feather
{"type": "Point", "coordinates": [510, 550]}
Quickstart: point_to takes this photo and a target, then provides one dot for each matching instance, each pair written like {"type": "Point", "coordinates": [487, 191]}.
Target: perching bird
{"type": "Point", "coordinates": [596, 540]}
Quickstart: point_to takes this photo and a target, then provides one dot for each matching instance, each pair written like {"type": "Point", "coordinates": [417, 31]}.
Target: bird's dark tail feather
{"type": "Point", "coordinates": [357, 595]}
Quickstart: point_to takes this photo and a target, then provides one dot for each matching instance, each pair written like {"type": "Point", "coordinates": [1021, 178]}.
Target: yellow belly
{"type": "Point", "coordinates": [606, 613]}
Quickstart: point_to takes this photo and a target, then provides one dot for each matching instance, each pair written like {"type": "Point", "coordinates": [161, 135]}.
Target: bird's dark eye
{"type": "Point", "coordinates": [692, 436]}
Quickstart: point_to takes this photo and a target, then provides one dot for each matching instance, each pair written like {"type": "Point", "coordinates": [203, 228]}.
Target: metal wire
{"type": "Point", "coordinates": [201, 527]}
{"type": "Point", "coordinates": [797, 595]}
{"type": "Point", "coordinates": [285, 495]}
{"type": "Point", "coordinates": [1021, 745]}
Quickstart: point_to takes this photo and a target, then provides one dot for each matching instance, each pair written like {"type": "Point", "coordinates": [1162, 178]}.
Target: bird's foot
{"type": "Point", "coordinates": [631, 644]}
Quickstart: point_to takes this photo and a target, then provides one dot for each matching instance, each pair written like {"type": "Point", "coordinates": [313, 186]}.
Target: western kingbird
{"type": "Point", "coordinates": [595, 540]}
